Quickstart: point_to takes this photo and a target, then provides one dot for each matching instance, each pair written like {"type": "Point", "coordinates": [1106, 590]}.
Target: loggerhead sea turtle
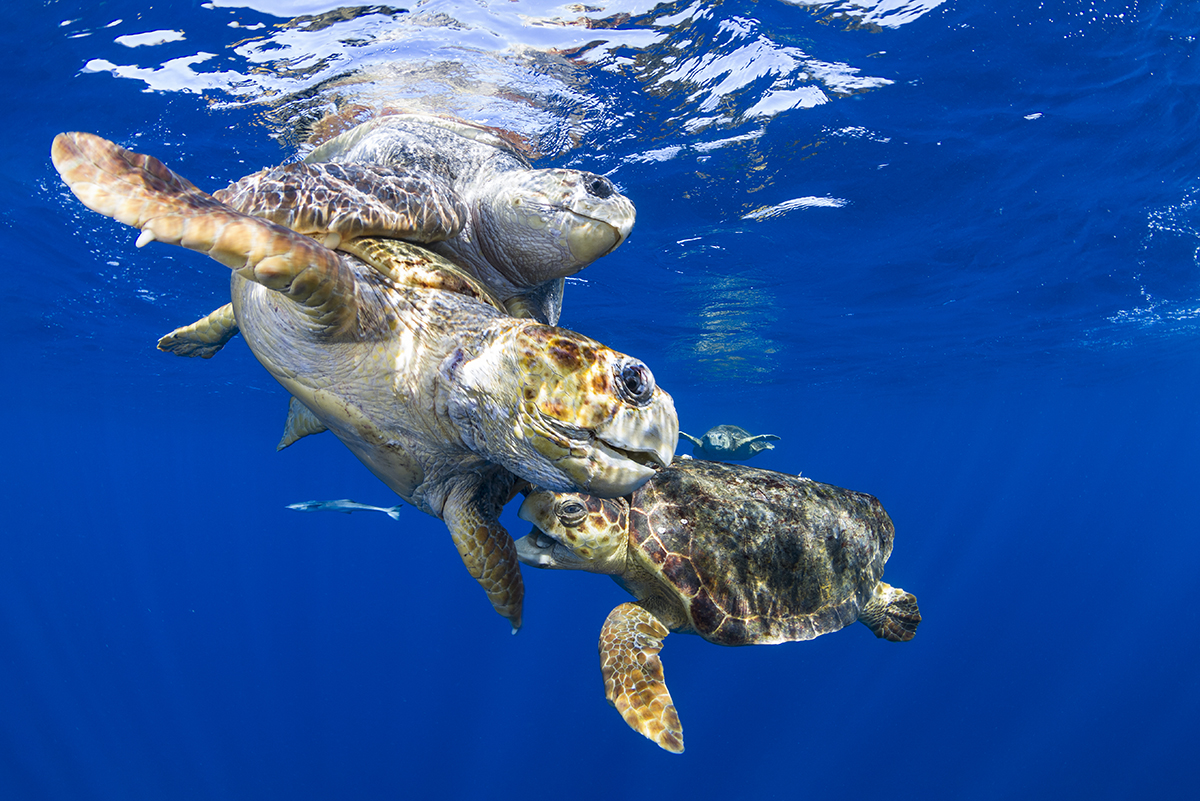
{"type": "Point", "coordinates": [523, 229]}
{"type": "Point", "coordinates": [729, 442]}
{"type": "Point", "coordinates": [738, 555]}
{"type": "Point", "coordinates": [442, 395]}
{"type": "Point", "coordinates": [457, 187]}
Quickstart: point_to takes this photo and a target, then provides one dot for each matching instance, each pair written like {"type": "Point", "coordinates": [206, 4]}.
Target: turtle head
{"type": "Point", "coordinates": [563, 411]}
{"type": "Point", "coordinates": [595, 415]}
{"type": "Point", "coordinates": [719, 441]}
{"type": "Point", "coordinates": [540, 225]}
{"type": "Point", "coordinates": [575, 532]}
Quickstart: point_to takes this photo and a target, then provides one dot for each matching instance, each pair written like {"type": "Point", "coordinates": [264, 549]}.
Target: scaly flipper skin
{"type": "Point", "coordinates": [471, 513]}
{"type": "Point", "coordinates": [333, 202]}
{"type": "Point", "coordinates": [891, 613]}
{"type": "Point", "coordinates": [140, 191]}
{"type": "Point", "coordinates": [204, 337]}
{"type": "Point", "coordinates": [633, 675]}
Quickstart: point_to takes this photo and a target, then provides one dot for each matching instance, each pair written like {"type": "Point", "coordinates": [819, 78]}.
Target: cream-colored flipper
{"type": "Point", "coordinates": [204, 337]}
{"type": "Point", "coordinates": [336, 202]}
{"type": "Point", "coordinates": [140, 191]}
{"type": "Point", "coordinates": [633, 675]}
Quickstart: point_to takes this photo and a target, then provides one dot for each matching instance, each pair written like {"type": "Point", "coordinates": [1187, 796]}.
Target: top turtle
{"type": "Point", "coordinates": [410, 362]}
{"type": "Point", "coordinates": [728, 442]}
{"type": "Point", "coordinates": [457, 187]}
{"type": "Point", "coordinates": [738, 555]}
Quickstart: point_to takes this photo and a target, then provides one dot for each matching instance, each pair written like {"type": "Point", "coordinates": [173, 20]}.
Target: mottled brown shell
{"type": "Point", "coordinates": [759, 556]}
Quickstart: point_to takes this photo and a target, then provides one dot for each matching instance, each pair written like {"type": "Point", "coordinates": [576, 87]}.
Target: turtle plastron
{"type": "Point", "coordinates": [633, 675]}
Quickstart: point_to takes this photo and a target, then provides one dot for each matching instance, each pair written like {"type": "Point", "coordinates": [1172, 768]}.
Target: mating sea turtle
{"type": "Point", "coordinates": [738, 555]}
{"type": "Point", "coordinates": [520, 230]}
{"type": "Point", "coordinates": [729, 442]}
{"type": "Point", "coordinates": [458, 188]}
{"type": "Point", "coordinates": [407, 360]}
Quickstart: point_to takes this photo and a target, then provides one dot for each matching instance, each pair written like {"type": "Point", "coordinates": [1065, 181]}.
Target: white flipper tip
{"type": "Point", "coordinates": [145, 238]}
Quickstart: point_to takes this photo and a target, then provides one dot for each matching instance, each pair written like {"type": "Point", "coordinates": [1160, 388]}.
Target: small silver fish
{"type": "Point", "coordinates": [346, 506]}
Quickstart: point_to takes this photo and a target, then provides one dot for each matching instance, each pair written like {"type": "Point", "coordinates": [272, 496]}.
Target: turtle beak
{"type": "Point", "coordinates": [536, 549]}
{"type": "Point", "coordinates": [629, 448]}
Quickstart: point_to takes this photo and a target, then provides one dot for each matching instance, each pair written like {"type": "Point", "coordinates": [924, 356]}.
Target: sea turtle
{"type": "Point", "coordinates": [441, 394]}
{"type": "Point", "coordinates": [738, 555]}
{"type": "Point", "coordinates": [459, 188]}
{"type": "Point", "coordinates": [729, 442]}
{"type": "Point", "coordinates": [523, 229]}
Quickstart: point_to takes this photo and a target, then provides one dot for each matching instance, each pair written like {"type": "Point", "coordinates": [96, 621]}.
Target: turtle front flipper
{"type": "Point", "coordinates": [891, 613]}
{"type": "Point", "coordinates": [472, 513]}
{"type": "Point", "coordinates": [336, 202]}
{"type": "Point", "coordinates": [204, 337]}
{"type": "Point", "coordinates": [764, 439]}
{"type": "Point", "coordinates": [691, 439]}
{"type": "Point", "coordinates": [633, 675]}
{"type": "Point", "coordinates": [760, 443]}
{"type": "Point", "coordinates": [140, 191]}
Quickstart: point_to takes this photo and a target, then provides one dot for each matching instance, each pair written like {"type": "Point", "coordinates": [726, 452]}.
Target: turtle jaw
{"type": "Point", "coordinates": [538, 550]}
{"type": "Point", "coordinates": [590, 238]}
{"type": "Point", "coordinates": [622, 454]}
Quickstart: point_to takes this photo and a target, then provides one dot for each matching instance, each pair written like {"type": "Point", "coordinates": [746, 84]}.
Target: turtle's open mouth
{"type": "Point", "coordinates": [535, 548]}
{"type": "Point", "coordinates": [646, 458]}
{"type": "Point", "coordinates": [612, 471]}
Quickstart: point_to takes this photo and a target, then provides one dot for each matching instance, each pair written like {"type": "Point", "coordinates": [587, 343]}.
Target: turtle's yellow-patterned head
{"type": "Point", "coordinates": [596, 415]}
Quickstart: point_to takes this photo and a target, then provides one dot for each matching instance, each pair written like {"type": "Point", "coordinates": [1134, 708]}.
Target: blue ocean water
{"type": "Point", "coordinates": [948, 251]}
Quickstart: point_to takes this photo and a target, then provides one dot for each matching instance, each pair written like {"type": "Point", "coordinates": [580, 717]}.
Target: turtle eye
{"type": "Point", "coordinates": [598, 186]}
{"type": "Point", "coordinates": [635, 382]}
{"type": "Point", "coordinates": [571, 513]}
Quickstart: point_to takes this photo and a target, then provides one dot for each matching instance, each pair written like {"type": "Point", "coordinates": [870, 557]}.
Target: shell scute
{"type": "Point", "coordinates": [762, 556]}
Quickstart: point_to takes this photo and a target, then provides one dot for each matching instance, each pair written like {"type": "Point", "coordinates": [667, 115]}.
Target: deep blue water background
{"type": "Point", "coordinates": [994, 330]}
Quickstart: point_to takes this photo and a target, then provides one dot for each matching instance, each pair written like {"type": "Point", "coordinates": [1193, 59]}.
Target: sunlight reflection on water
{"type": "Point", "coordinates": [521, 65]}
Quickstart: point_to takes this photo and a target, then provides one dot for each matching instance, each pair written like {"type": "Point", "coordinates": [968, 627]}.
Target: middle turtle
{"type": "Point", "coordinates": [446, 398]}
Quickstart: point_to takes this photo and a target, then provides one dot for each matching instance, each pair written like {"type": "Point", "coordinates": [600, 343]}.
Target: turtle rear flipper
{"type": "Point", "coordinates": [633, 675]}
{"type": "Point", "coordinates": [891, 613]}
{"type": "Point", "coordinates": [204, 337]}
{"type": "Point", "coordinates": [141, 191]}
{"type": "Point", "coordinates": [300, 423]}
{"type": "Point", "coordinates": [335, 202]}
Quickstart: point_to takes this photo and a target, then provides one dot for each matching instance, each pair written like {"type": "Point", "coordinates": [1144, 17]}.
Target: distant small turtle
{"type": "Point", "coordinates": [459, 188]}
{"type": "Point", "coordinates": [729, 442]}
{"type": "Point", "coordinates": [407, 359]}
{"type": "Point", "coordinates": [738, 555]}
